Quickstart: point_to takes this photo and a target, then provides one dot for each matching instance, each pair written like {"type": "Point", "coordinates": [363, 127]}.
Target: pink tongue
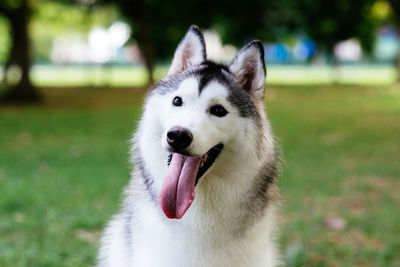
{"type": "Point", "coordinates": [177, 191]}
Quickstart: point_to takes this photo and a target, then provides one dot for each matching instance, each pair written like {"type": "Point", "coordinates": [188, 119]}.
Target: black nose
{"type": "Point", "coordinates": [179, 138]}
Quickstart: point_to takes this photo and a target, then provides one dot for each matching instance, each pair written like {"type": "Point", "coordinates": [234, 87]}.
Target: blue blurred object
{"type": "Point", "coordinates": [387, 44]}
{"type": "Point", "coordinates": [276, 53]}
{"type": "Point", "coordinates": [304, 49]}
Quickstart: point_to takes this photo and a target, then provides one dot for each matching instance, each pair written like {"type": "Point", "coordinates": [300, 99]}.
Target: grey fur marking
{"type": "Point", "coordinates": [128, 215]}
{"type": "Point", "coordinates": [263, 192]}
{"type": "Point", "coordinates": [146, 177]}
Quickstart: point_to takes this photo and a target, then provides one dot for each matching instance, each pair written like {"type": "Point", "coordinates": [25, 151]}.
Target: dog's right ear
{"type": "Point", "coordinates": [191, 51]}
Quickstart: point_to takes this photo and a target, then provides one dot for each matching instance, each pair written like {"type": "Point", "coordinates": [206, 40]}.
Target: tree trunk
{"type": "Point", "coordinates": [396, 8]}
{"type": "Point", "coordinates": [138, 14]}
{"type": "Point", "coordinates": [335, 66]}
{"type": "Point", "coordinates": [23, 91]}
{"type": "Point", "coordinates": [146, 50]}
{"type": "Point", "coordinates": [398, 65]}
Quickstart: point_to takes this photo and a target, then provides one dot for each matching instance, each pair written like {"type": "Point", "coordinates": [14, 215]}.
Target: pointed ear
{"type": "Point", "coordinates": [249, 68]}
{"type": "Point", "coordinates": [191, 51]}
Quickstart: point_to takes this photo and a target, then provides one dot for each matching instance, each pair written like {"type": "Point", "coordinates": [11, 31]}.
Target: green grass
{"type": "Point", "coordinates": [63, 167]}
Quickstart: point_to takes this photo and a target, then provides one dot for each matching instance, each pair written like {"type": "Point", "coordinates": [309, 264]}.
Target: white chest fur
{"type": "Point", "coordinates": [199, 239]}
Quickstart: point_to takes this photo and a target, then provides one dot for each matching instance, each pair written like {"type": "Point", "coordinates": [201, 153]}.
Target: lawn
{"type": "Point", "coordinates": [63, 166]}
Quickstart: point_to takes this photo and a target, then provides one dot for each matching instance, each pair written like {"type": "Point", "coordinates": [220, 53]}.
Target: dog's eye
{"type": "Point", "coordinates": [177, 101]}
{"type": "Point", "coordinates": [218, 111]}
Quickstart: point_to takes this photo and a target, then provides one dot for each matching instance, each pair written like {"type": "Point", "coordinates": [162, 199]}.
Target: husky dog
{"type": "Point", "coordinates": [203, 190]}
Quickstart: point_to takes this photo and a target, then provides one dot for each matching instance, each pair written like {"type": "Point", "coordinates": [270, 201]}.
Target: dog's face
{"type": "Point", "coordinates": [197, 111]}
{"type": "Point", "coordinates": [196, 120]}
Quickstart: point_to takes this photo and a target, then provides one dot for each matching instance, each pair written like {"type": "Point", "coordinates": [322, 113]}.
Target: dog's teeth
{"type": "Point", "coordinates": [203, 160]}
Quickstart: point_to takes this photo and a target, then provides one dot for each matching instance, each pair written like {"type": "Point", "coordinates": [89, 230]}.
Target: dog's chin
{"type": "Point", "coordinates": [207, 160]}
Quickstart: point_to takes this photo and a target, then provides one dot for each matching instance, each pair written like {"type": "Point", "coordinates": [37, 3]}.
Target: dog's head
{"type": "Point", "coordinates": [199, 110]}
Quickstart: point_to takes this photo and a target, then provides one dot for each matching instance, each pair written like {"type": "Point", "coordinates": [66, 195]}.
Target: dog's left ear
{"type": "Point", "coordinates": [249, 68]}
{"type": "Point", "coordinates": [191, 51]}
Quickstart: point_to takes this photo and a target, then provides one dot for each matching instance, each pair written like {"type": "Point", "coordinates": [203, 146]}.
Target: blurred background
{"type": "Point", "coordinates": [73, 75]}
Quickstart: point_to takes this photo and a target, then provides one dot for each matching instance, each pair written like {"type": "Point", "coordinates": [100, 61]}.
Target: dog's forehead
{"type": "Point", "coordinates": [212, 72]}
{"type": "Point", "coordinates": [196, 88]}
{"type": "Point", "coordinates": [204, 73]}
{"type": "Point", "coordinates": [188, 86]}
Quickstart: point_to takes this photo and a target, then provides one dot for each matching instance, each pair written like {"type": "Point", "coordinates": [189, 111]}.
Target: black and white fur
{"type": "Point", "coordinates": [231, 221]}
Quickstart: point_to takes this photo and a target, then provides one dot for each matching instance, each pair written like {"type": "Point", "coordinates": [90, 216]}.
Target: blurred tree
{"type": "Point", "coordinates": [396, 10]}
{"type": "Point", "coordinates": [4, 39]}
{"type": "Point", "coordinates": [396, 15]}
{"type": "Point", "coordinates": [55, 20]}
{"type": "Point", "coordinates": [328, 22]}
{"type": "Point", "coordinates": [157, 25]}
{"type": "Point", "coordinates": [18, 13]}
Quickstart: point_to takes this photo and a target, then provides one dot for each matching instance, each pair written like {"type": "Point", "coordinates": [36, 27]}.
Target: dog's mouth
{"type": "Point", "coordinates": [184, 172]}
{"type": "Point", "coordinates": [206, 160]}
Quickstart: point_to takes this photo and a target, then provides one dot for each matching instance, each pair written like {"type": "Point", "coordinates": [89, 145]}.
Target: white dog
{"type": "Point", "coordinates": [203, 191]}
